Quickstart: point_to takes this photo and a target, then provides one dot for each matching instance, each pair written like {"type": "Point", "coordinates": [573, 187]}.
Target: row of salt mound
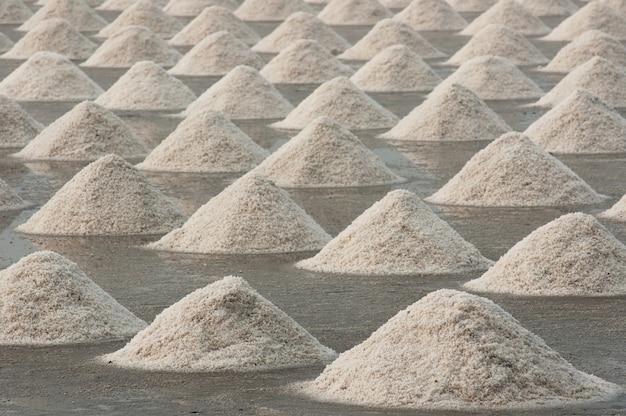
{"type": "Point", "coordinates": [512, 171]}
{"type": "Point", "coordinates": [271, 10]}
{"type": "Point", "coordinates": [76, 12]}
{"type": "Point", "coordinates": [573, 255]}
{"type": "Point", "coordinates": [225, 326]}
{"type": "Point", "coordinates": [192, 8]}
{"type": "Point", "coordinates": [452, 113]}
{"type": "Point", "coordinates": [544, 8]}
{"type": "Point", "coordinates": [594, 15]}
{"type": "Point", "coordinates": [397, 235]}
{"type": "Point", "coordinates": [17, 127]}
{"type": "Point", "coordinates": [250, 216]}
{"type": "Point", "coordinates": [586, 46]}
{"type": "Point", "coordinates": [436, 15]}
{"type": "Point", "coordinates": [121, 5]}
{"type": "Point", "coordinates": [512, 14]}
{"type": "Point", "coordinates": [205, 142]}
{"type": "Point", "coordinates": [107, 197]}
{"type": "Point", "coordinates": [87, 132]}
{"type": "Point", "coordinates": [471, 6]}
{"type": "Point", "coordinates": [47, 300]}
{"type": "Point", "coordinates": [353, 12]}
{"type": "Point", "coordinates": [5, 43]}
{"type": "Point", "coordinates": [14, 11]}
{"type": "Point", "coordinates": [144, 13]}
{"type": "Point", "coordinates": [454, 350]}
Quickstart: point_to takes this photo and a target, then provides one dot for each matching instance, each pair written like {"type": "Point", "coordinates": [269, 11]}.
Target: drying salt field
{"type": "Point", "coordinates": [299, 208]}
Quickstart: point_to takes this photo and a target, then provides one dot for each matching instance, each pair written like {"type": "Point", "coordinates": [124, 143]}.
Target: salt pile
{"type": "Point", "coordinates": [452, 113]}
{"type": "Point", "coordinates": [212, 20]}
{"type": "Point", "coordinates": [17, 127]}
{"type": "Point", "coordinates": [586, 46]}
{"type": "Point", "coordinates": [353, 12]}
{"type": "Point", "coordinates": [147, 14]}
{"type": "Point", "coordinates": [217, 54]}
{"type": "Point", "coordinates": [325, 154]}
{"type": "Point", "coordinates": [146, 86]}
{"type": "Point", "coordinates": [243, 94]}
{"type": "Point", "coordinates": [512, 171]}
{"type": "Point", "coordinates": [387, 33]}
{"type": "Point", "coordinates": [48, 76]}
{"type": "Point", "coordinates": [397, 235]}
{"type": "Point", "coordinates": [107, 197]}
{"type": "Point", "coordinates": [396, 68]}
{"type": "Point", "coordinates": [345, 103]}
{"type": "Point", "coordinates": [594, 15]}
{"type": "Point", "coordinates": [53, 35]}
{"type": "Point", "coordinates": [205, 142]}
{"type": "Point", "coordinates": [5, 43]}
{"type": "Point", "coordinates": [434, 15]}
{"type": "Point", "coordinates": [193, 8]}
{"type": "Point", "coordinates": [453, 350]}
{"type": "Point", "coordinates": [304, 62]}
{"type": "Point", "coordinates": [87, 132]}
{"type": "Point", "coordinates": [471, 6]}
{"type": "Point", "coordinates": [617, 212]}
{"type": "Point", "coordinates": [597, 75]}
{"type": "Point", "coordinates": [250, 216]}
{"type": "Point", "coordinates": [271, 10]}
{"type": "Point", "coordinates": [9, 200]}
{"type": "Point", "coordinates": [76, 12]}
{"type": "Point", "coordinates": [499, 40]}
{"type": "Point", "coordinates": [121, 5]}
{"type": "Point", "coordinates": [618, 5]}
{"type": "Point", "coordinates": [550, 7]}
{"type": "Point", "coordinates": [14, 11]}
{"type": "Point", "coordinates": [225, 326]}
{"type": "Point", "coordinates": [512, 14]}
{"type": "Point", "coordinates": [132, 44]}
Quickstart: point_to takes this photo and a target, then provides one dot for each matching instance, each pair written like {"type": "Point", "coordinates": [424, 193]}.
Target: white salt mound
{"type": "Point", "coordinates": [353, 12]}
{"type": "Point", "coordinates": [45, 299]}
{"type": "Point", "coordinates": [217, 54]}
{"type": "Point", "coordinates": [243, 94]}
{"type": "Point", "coordinates": [87, 132]}
{"type": "Point", "coordinates": [14, 11]}
{"type": "Point", "coordinates": [396, 68]}
{"type": "Point", "coordinates": [225, 326]}
{"type": "Point", "coordinates": [147, 86]}
{"type": "Point", "coordinates": [147, 14]}
{"type": "Point", "coordinates": [512, 14]}
{"type": "Point", "coordinates": [193, 8]}
{"type": "Point", "coordinates": [453, 350]}
{"type": "Point", "coordinates": [499, 40]}
{"type": "Point", "coordinates": [389, 32]}
{"type": "Point", "coordinates": [132, 44]}
{"type": "Point", "coordinates": [107, 197]}
{"type": "Point", "coordinates": [5, 43]}
{"type": "Point", "coordinates": [250, 216]}
{"type": "Point", "coordinates": [594, 15]}
{"type": "Point", "coordinates": [304, 62]}
{"type": "Point", "coordinates": [121, 5]}
{"type": "Point", "coordinates": [453, 113]}
{"type": "Point", "coordinates": [17, 127]}
{"type": "Point", "coordinates": [76, 12]}
{"type": "Point", "coordinates": [205, 142]}
{"type": "Point", "coordinates": [435, 15]}
{"type": "Point", "coordinates": [271, 10]}
{"type": "Point", "coordinates": [471, 6]}
{"type": "Point", "coordinates": [617, 212]}
{"type": "Point", "coordinates": [9, 200]}
{"type": "Point", "coordinates": [48, 76]}
{"type": "Point", "coordinates": [586, 46]}
{"type": "Point", "coordinates": [549, 7]}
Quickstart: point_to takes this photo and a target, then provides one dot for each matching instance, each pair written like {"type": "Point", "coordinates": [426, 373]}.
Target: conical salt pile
{"type": "Point", "coordinates": [48, 76]}
{"type": "Point", "coordinates": [5, 43]}
{"type": "Point", "coordinates": [397, 235]}
{"type": "Point", "coordinates": [225, 326]}
{"type": "Point", "coordinates": [512, 14]}
{"type": "Point", "coordinates": [147, 14]}
{"type": "Point", "coordinates": [132, 44]}
{"type": "Point", "coordinates": [121, 5]}
{"type": "Point", "coordinates": [217, 54]}
{"type": "Point", "coordinates": [325, 154]}
{"type": "Point", "coordinates": [192, 8]}
{"type": "Point", "coordinates": [550, 7]}
{"type": "Point", "coordinates": [243, 94]}
{"type": "Point", "coordinates": [436, 15]}
{"type": "Point", "coordinates": [499, 40]}
{"type": "Point", "coordinates": [353, 12]}
{"type": "Point", "coordinates": [617, 212]}
{"type": "Point", "coordinates": [599, 76]}
{"type": "Point", "coordinates": [512, 171]}
{"type": "Point", "coordinates": [17, 127]}
{"type": "Point", "coordinates": [594, 15]}
{"type": "Point", "coordinates": [76, 12]}
{"type": "Point", "coordinates": [212, 20]}
{"type": "Point", "coordinates": [298, 26]}
{"type": "Point", "coordinates": [396, 68]}
{"type": "Point", "coordinates": [205, 142]}
{"type": "Point", "coordinates": [250, 216]}
{"type": "Point", "coordinates": [573, 255]}
{"type": "Point", "coordinates": [493, 78]}
{"type": "Point", "coordinates": [87, 132]}
{"type": "Point", "coordinates": [453, 113]}
{"type": "Point", "coordinates": [53, 35]}
{"type": "Point", "coordinates": [345, 103]}
{"type": "Point", "coordinates": [586, 46]}
{"type": "Point", "coordinates": [471, 6]}
{"type": "Point", "coordinates": [304, 62]}
{"type": "Point", "coordinates": [271, 10]}
{"type": "Point", "coordinates": [146, 86]}
{"type": "Point", "coordinates": [582, 123]}
{"type": "Point", "coordinates": [453, 350]}
{"type": "Point", "coordinates": [387, 33]}
{"type": "Point", "coordinates": [14, 11]}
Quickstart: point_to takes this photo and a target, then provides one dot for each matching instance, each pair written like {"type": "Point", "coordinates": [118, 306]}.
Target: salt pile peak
{"type": "Point", "coordinates": [271, 10]}
{"type": "Point", "coordinates": [512, 14]}
{"type": "Point", "coordinates": [586, 46]}
{"type": "Point", "coordinates": [17, 127]}
{"type": "Point", "coordinates": [471, 6]}
{"type": "Point", "coordinates": [594, 15]}
{"type": "Point", "coordinates": [147, 86]}
{"type": "Point", "coordinates": [121, 5]}
{"type": "Point", "coordinates": [453, 113]}
{"type": "Point", "coordinates": [205, 142]}
{"type": "Point", "coordinates": [454, 350]}
{"type": "Point", "coordinates": [147, 14]}
{"type": "Point", "coordinates": [435, 15]}
{"type": "Point", "coordinates": [345, 103]}
{"type": "Point", "coordinates": [76, 12]}
{"type": "Point", "coordinates": [225, 326]}
{"type": "Point", "coordinates": [252, 215]}
{"type": "Point", "coordinates": [549, 7]}
{"type": "Point", "coordinates": [243, 94]}
{"type": "Point", "coordinates": [617, 212]}
{"type": "Point", "coordinates": [353, 12]}
{"type": "Point", "coordinates": [107, 197]}
{"type": "Point", "coordinates": [192, 8]}
{"type": "Point", "coordinates": [14, 11]}
{"type": "Point", "coordinates": [48, 76]}
{"type": "Point", "coordinates": [397, 235]}
{"type": "Point", "coordinates": [217, 54]}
